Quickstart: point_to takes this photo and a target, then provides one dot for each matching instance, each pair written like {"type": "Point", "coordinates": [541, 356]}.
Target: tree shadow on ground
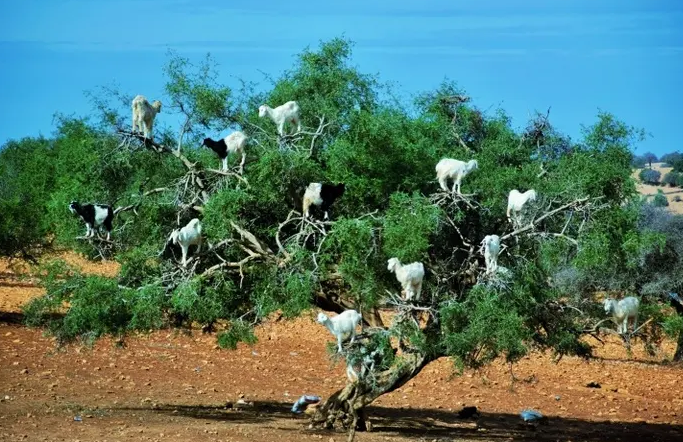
{"type": "Point", "coordinates": [19, 318]}
{"type": "Point", "coordinates": [260, 412]}
{"type": "Point", "coordinates": [430, 423]}
{"type": "Point", "coordinates": [11, 317]}
{"type": "Point", "coordinates": [421, 424]}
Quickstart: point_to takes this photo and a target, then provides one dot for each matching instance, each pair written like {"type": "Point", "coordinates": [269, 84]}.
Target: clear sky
{"type": "Point", "coordinates": [578, 56]}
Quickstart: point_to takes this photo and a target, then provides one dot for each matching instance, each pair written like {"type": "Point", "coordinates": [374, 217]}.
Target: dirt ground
{"type": "Point", "coordinates": [177, 386]}
{"type": "Point", "coordinates": [670, 192]}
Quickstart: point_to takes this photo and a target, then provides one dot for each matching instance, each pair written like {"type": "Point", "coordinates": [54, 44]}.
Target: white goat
{"type": "Point", "coordinates": [342, 324]}
{"type": "Point", "coordinates": [622, 311]}
{"type": "Point", "coordinates": [189, 235]}
{"type": "Point", "coordinates": [516, 203]}
{"type": "Point", "coordinates": [491, 248]}
{"type": "Point", "coordinates": [456, 170]}
{"type": "Point", "coordinates": [286, 113]}
{"type": "Point", "coordinates": [143, 114]}
{"type": "Point", "coordinates": [410, 276]}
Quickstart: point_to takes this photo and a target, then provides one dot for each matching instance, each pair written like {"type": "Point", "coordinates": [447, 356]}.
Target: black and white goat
{"type": "Point", "coordinates": [322, 195]}
{"type": "Point", "coordinates": [233, 143]}
{"type": "Point", "coordinates": [95, 216]}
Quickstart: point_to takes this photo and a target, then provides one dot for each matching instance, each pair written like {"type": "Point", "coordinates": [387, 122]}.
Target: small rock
{"type": "Point", "coordinates": [593, 384]}
{"type": "Point", "coordinates": [24, 371]}
{"type": "Point", "coordinates": [241, 403]}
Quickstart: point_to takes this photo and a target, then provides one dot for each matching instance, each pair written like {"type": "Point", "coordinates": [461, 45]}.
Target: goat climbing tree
{"type": "Point", "coordinates": [579, 236]}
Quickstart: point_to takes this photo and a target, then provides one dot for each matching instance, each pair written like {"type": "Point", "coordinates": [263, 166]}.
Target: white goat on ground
{"type": "Point", "coordinates": [622, 311]}
{"type": "Point", "coordinates": [189, 235]}
{"type": "Point", "coordinates": [491, 248]}
{"type": "Point", "coordinates": [143, 114]}
{"type": "Point", "coordinates": [516, 203]}
{"type": "Point", "coordinates": [342, 324]}
{"type": "Point", "coordinates": [410, 276]}
{"type": "Point", "coordinates": [448, 168]}
{"type": "Point", "coordinates": [286, 113]}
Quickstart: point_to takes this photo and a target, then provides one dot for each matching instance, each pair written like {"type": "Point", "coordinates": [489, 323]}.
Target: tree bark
{"type": "Point", "coordinates": [678, 356]}
{"type": "Point", "coordinates": [345, 409]}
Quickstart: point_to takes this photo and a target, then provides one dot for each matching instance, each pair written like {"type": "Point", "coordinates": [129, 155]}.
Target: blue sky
{"type": "Point", "coordinates": [578, 56]}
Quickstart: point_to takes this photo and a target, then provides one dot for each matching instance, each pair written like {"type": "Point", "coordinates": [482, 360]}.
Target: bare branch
{"type": "Point", "coordinates": [135, 206]}
{"type": "Point", "coordinates": [536, 221]}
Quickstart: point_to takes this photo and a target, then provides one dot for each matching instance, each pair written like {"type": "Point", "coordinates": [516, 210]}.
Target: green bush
{"type": "Point", "coordinates": [659, 199]}
{"type": "Point", "coordinates": [671, 178]}
{"type": "Point", "coordinates": [649, 176]}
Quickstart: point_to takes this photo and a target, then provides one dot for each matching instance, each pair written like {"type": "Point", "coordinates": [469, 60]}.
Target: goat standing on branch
{"type": "Point", "coordinates": [343, 324]}
{"type": "Point", "coordinates": [491, 248]}
{"type": "Point", "coordinates": [410, 276]}
{"type": "Point", "coordinates": [144, 114]}
{"type": "Point", "coordinates": [322, 195]}
{"type": "Point", "coordinates": [516, 203]}
{"type": "Point", "coordinates": [95, 216]}
{"type": "Point", "coordinates": [236, 142]}
{"type": "Point", "coordinates": [189, 235]}
{"type": "Point", "coordinates": [456, 170]}
{"type": "Point", "coordinates": [286, 113]}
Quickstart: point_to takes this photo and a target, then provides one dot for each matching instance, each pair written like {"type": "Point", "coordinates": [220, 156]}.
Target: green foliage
{"type": "Point", "coordinates": [239, 331]}
{"type": "Point", "coordinates": [26, 178]}
{"type": "Point", "coordinates": [659, 199]}
{"type": "Point", "coordinates": [672, 179]}
{"type": "Point", "coordinates": [352, 246]}
{"type": "Point", "coordinates": [223, 207]}
{"type": "Point", "coordinates": [205, 302]}
{"type": "Point", "coordinates": [650, 158]}
{"type": "Point", "coordinates": [672, 158]}
{"type": "Point", "coordinates": [290, 290]}
{"type": "Point", "coordinates": [138, 266]}
{"type": "Point", "coordinates": [649, 176]}
{"type": "Point", "coordinates": [481, 328]}
{"type": "Point", "coordinates": [385, 152]}
{"type": "Point", "coordinates": [409, 223]}
{"type": "Point", "coordinates": [87, 307]}
{"type": "Point", "coordinates": [198, 95]}
{"type": "Point", "coordinates": [638, 162]}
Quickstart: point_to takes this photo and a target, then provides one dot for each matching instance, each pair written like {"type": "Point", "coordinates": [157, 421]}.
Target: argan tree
{"type": "Point", "coordinates": [580, 235]}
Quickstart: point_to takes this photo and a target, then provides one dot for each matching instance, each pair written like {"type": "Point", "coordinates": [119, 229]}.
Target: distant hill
{"type": "Point", "coordinates": [670, 192]}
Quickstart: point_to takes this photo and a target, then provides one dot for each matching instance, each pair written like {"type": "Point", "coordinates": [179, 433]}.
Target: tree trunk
{"type": "Point", "coordinates": [678, 356]}
{"type": "Point", "coordinates": [345, 409]}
